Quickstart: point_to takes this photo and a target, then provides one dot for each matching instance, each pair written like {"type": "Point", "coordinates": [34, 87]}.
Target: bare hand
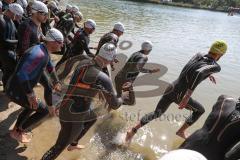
{"type": "Point", "coordinates": [212, 79]}
{"type": "Point", "coordinates": [56, 19]}
{"type": "Point", "coordinates": [127, 86]}
{"type": "Point", "coordinates": [51, 110]}
{"type": "Point", "coordinates": [183, 103]}
{"type": "Point", "coordinates": [32, 101]}
{"type": "Point", "coordinates": [57, 87]}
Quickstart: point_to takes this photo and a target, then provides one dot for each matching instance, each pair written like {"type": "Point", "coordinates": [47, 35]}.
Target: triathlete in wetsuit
{"type": "Point", "coordinates": [132, 68]}
{"type": "Point", "coordinates": [195, 71]}
{"type": "Point", "coordinates": [8, 40]}
{"type": "Point", "coordinates": [76, 116]}
{"type": "Point", "coordinates": [219, 133]}
{"type": "Point", "coordinates": [27, 74]}
{"type": "Point", "coordinates": [111, 37]}
{"type": "Point", "coordinates": [67, 26]}
{"type": "Point", "coordinates": [80, 42]}
{"type": "Point", "coordinates": [29, 34]}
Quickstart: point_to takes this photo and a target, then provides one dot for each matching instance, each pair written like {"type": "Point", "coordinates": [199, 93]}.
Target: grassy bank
{"type": "Point", "coordinates": [185, 5]}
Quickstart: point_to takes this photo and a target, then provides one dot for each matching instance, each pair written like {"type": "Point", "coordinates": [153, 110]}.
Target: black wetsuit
{"type": "Point", "coordinates": [27, 74]}
{"type": "Point", "coordinates": [28, 36]}
{"type": "Point", "coordinates": [195, 71]}
{"type": "Point", "coordinates": [219, 133]}
{"type": "Point", "coordinates": [8, 43]}
{"type": "Point", "coordinates": [107, 38]}
{"type": "Point", "coordinates": [76, 115]}
{"type": "Point", "coordinates": [129, 73]}
{"type": "Point", "coordinates": [78, 46]}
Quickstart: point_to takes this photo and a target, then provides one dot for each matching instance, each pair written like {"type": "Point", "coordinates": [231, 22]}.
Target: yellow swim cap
{"type": "Point", "coordinates": [218, 47]}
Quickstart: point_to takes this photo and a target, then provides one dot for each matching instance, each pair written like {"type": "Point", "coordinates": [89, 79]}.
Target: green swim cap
{"type": "Point", "coordinates": [219, 47]}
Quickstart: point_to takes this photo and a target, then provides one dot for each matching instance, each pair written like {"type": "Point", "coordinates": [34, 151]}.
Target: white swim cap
{"type": "Point", "coordinates": [119, 27]}
{"type": "Point", "coordinates": [38, 6]}
{"type": "Point", "coordinates": [79, 14]}
{"type": "Point", "coordinates": [147, 46]}
{"type": "Point", "coordinates": [16, 9]}
{"type": "Point", "coordinates": [108, 51]}
{"type": "Point", "coordinates": [54, 35]}
{"type": "Point", "coordinates": [75, 9]}
{"type": "Point", "coordinates": [52, 4]}
{"type": "Point", "coordinates": [91, 24]}
{"type": "Point", "coordinates": [183, 154]}
{"type": "Point", "coordinates": [23, 3]}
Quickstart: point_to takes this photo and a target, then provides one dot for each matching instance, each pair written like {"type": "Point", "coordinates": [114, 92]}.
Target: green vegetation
{"type": "Point", "coordinates": [213, 4]}
{"type": "Point", "coordinates": [218, 5]}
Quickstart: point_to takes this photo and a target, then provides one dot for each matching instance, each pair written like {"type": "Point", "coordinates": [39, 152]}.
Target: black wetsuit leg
{"type": "Point", "coordinates": [8, 61]}
{"type": "Point", "coordinates": [119, 81]}
{"type": "Point", "coordinates": [68, 133]}
{"type": "Point", "coordinates": [197, 109]}
{"type": "Point", "coordinates": [26, 119]}
{"type": "Point", "coordinates": [86, 126]}
{"type": "Point", "coordinates": [162, 106]}
{"type": "Point", "coordinates": [71, 125]}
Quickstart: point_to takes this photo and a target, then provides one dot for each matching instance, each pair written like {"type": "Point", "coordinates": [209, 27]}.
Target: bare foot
{"type": "Point", "coordinates": [182, 135]}
{"type": "Point", "coordinates": [129, 136]}
{"type": "Point", "coordinates": [77, 147]}
{"type": "Point", "coordinates": [21, 136]}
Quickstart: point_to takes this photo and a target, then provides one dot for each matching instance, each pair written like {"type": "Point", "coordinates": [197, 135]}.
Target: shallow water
{"type": "Point", "coordinates": [177, 34]}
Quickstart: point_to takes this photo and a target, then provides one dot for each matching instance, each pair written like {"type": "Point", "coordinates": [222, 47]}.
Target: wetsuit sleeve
{"type": "Point", "coordinates": [85, 45]}
{"type": "Point", "coordinates": [70, 26]}
{"type": "Point", "coordinates": [109, 93]}
{"type": "Point", "coordinates": [140, 65]}
{"type": "Point", "coordinates": [202, 73]}
{"type": "Point", "coordinates": [51, 70]}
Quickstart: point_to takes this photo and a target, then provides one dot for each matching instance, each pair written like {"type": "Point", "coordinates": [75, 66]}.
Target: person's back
{"type": "Point", "coordinates": [65, 25]}
{"type": "Point", "coordinates": [109, 37]}
{"type": "Point", "coordinates": [194, 72]}
{"type": "Point", "coordinates": [219, 132]}
{"type": "Point", "coordinates": [26, 70]}
{"type": "Point", "coordinates": [130, 69]}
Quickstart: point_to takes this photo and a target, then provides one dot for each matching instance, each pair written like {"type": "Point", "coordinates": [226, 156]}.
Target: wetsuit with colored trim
{"type": "Point", "coordinates": [130, 71]}
{"type": "Point", "coordinates": [29, 35]}
{"type": "Point", "coordinates": [27, 74]}
{"type": "Point", "coordinates": [219, 133]}
{"type": "Point", "coordinates": [107, 38]}
{"type": "Point", "coordinates": [8, 43]}
{"type": "Point", "coordinates": [76, 115]}
{"type": "Point", "coordinates": [195, 71]}
{"type": "Point", "coordinates": [79, 45]}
